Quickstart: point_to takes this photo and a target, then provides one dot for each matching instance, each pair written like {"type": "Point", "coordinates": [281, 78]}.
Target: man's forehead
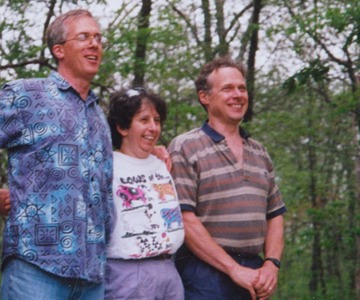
{"type": "Point", "coordinates": [225, 74]}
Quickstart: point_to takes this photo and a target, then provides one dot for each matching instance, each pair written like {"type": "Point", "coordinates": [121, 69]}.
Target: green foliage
{"type": "Point", "coordinates": [3, 168]}
{"type": "Point", "coordinates": [293, 121]}
{"type": "Point", "coordinates": [336, 19]}
{"type": "Point", "coordinates": [317, 72]}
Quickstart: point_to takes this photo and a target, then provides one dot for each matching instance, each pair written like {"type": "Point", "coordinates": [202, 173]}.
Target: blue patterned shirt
{"type": "Point", "coordinates": [60, 177]}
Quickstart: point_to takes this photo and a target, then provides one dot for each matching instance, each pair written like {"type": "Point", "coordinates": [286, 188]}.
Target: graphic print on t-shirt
{"type": "Point", "coordinates": [149, 213]}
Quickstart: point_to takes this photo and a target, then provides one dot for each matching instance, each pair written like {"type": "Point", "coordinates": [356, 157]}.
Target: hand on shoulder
{"type": "Point", "coordinates": [4, 202]}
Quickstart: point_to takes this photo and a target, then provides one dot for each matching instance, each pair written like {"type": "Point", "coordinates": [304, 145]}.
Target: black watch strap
{"type": "Point", "coordinates": [275, 261]}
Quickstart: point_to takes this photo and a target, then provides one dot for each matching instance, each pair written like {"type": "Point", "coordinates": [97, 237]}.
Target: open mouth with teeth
{"type": "Point", "coordinates": [92, 57]}
{"type": "Point", "coordinates": [237, 106]}
{"type": "Point", "coordinates": [150, 138]}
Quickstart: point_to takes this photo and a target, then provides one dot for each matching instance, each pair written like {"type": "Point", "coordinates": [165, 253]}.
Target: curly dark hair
{"type": "Point", "coordinates": [124, 104]}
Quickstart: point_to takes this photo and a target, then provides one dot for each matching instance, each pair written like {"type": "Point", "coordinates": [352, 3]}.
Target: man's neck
{"type": "Point", "coordinates": [232, 136]}
{"type": "Point", "coordinates": [228, 130]}
{"type": "Point", "coordinates": [82, 86]}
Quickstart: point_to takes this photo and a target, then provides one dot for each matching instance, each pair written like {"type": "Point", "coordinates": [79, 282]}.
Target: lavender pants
{"type": "Point", "coordinates": [148, 279]}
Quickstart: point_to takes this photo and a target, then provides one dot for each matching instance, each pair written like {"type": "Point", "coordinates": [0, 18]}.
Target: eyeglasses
{"type": "Point", "coordinates": [86, 38]}
{"type": "Point", "coordinates": [136, 91]}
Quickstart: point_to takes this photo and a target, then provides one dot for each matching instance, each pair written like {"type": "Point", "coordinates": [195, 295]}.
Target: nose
{"type": "Point", "coordinates": [154, 125]}
{"type": "Point", "coordinates": [236, 93]}
{"type": "Point", "coordinates": [95, 40]}
{"type": "Point", "coordinates": [240, 92]}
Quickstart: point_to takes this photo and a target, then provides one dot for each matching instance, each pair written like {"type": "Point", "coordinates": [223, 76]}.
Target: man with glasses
{"type": "Point", "coordinates": [60, 172]}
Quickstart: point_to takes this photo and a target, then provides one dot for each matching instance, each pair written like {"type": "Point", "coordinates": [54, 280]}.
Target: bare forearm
{"type": "Point", "coordinates": [274, 245]}
{"type": "Point", "coordinates": [274, 242]}
{"type": "Point", "coordinates": [199, 241]}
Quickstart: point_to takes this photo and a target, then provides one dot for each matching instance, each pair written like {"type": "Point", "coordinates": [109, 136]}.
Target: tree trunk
{"type": "Point", "coordinates": [223, 47]}
{"type": "Point", "coordinates": [317, 272]}
{"type": "Point", "coordinates": [317, 269]}
{"type": "Point", "coordinates": [141, 43]}
{"type": "Point", "coordinates": [357, 276]}
{"type": "Point", "coordinates": [254, 40]}
{"type": "Point", "coordinates": [356, 202]}
{"type": "Point", "coordinates": [207, 46]}
{"type": "Point", "coordinates": [351, 252]}
{"type": "Point", "coordinates": [356, 206]}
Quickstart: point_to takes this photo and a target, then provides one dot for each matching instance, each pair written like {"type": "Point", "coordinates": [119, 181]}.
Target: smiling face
{"type": "Point", "coordinates": [140, 139]}
{"type": "Point", "coordinates": [79, 59]}
{"type": "Point", "coordinates": [227, 100]}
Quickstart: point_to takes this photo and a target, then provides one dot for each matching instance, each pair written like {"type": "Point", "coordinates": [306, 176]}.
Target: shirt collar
{"type": "Point", "coordinates": [216, 136]}
{"type": "Point", "coordinates": [63, 84]}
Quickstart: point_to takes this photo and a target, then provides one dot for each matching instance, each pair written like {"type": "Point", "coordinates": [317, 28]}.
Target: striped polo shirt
{"type": "Point", "coordinates": [233, 201]}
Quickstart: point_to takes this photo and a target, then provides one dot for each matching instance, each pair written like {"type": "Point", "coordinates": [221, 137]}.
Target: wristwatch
{"type": "Point", "coordinates": [275, 261]}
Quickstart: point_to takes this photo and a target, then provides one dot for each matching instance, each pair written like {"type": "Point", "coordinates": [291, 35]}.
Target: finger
{"type": "Point", "coordinates": [252, 294]}
{"type": "Point", "coordinates": [263, 294]}
{"type": "Point", "coordinates": [262, 289]}
{"type": "Point", "coordinates": [168, 163]}
{"type": "Point", "coordinates": [266, 293]}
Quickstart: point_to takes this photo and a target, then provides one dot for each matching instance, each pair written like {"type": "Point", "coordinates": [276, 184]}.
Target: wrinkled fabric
{"type": "Point", "coordinates": [60, 177]}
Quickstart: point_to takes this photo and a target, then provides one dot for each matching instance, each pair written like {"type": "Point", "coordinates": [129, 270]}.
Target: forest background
{"type": "Point", "coordinates": [303, 60]}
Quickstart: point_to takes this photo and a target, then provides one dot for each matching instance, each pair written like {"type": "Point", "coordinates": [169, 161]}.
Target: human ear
{"type": "Point", "coordinates": [58, 51]}
{"type": "Point", "coordinates": [122, 132]}
{"type": "Point", "coordinates": [203, 97]}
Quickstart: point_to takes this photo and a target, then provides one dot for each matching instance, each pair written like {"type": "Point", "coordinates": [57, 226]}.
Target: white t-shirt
{"type": "Point", "coordinates": [148, 216]}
